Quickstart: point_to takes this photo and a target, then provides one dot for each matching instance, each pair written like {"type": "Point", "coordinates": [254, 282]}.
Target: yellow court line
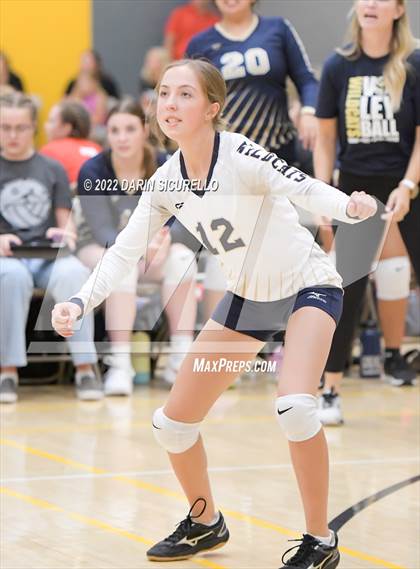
{"type": "Point", "coordinates": [178, 496]}
{"type": "Point", "coordinates": [93, 522]}
{"type": "Point", "coordinates": [367, 557]}
{"type": "Point", "coordinates": [52, 457]}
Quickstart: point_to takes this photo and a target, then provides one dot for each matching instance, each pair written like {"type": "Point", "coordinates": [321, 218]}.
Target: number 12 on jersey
{"type": "Point", "coordinates": [228, 245]}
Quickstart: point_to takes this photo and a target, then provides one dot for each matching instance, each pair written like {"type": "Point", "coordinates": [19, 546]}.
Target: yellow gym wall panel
{"type": "Point", "coordinates": [43, 40]}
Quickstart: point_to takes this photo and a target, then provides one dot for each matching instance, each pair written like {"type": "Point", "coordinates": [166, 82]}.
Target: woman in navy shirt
{"type": "Point", "coordinates": [255, 56]}
{"type": "Point", "coordinates": [369, 101]}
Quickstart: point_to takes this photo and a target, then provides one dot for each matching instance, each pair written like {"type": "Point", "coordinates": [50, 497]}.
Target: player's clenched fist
{"type": "Point", "coordinates": [63, 318]}
{"type": "Point", "coordinates": [361, 205]}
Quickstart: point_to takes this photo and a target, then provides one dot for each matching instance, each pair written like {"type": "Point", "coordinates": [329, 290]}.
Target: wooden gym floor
{"type": "Point", "coordinates": [84, 485]}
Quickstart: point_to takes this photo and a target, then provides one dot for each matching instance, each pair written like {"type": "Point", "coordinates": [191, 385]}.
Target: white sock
{"type": "Point", "coordinates": [213, 521]}
{"type": "Point", "coordinates": [181, 341]}
{"type": "Point", "coordinates": [120, 355]}
{"type": "Point", "coordinates": [330, 540]}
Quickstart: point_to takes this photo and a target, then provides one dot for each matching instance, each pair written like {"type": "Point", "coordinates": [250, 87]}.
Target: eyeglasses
{"type": "Point", "coordinates": [19, 128]}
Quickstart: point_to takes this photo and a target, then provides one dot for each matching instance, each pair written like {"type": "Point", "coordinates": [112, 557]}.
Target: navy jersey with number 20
{"type": "Point", "coordinates": [255, 69]}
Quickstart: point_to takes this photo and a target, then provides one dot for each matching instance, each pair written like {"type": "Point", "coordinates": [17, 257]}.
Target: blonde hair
{"type": "Point", "coordinates": [17, 100]}
{"type": "Point", "coordinates": [164, 58]}
{"type": "Point", "coordinates": [402, 45]}
{"type": "Point", "coordinates": [212, 83]}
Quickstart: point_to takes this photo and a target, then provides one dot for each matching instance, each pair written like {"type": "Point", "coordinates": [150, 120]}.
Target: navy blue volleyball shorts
{"type": "Point", "coordinates": [261, 320]}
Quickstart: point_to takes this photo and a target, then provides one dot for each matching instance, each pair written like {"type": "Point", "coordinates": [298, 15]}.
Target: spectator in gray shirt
{"type": "Point", "coordinates": [35, 204]}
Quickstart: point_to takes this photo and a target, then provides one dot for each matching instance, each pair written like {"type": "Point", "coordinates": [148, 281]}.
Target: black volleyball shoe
{"type": "Point", "coordinates": [312, 554]}
{"type": "Point", "coordinates": [190, 538]}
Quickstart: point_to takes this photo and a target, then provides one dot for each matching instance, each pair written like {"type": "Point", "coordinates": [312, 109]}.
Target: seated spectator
{"type": "Point", "coordinates": [35, 203]}
{"type": "Point", "coordinates": [68, 130]}
{"type": "Point", "coordinates": [155, 62]}
{"type": "Point", "coordinates": [185, 22]}
{"type": "Point", "coordinates": [88, 91]}
{"type": "Point", "coordinates": [117, 171]}
{"type": "Point", "coordinates": [7, 77]}
{"type": "Point", "coordinates": [91, 62]}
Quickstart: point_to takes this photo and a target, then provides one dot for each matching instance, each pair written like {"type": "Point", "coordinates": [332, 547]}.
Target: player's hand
{"type": "Point", "coordinates": [398, 204]}
{"type": "Point", "coordinates": [361, 206]}
{"type": "Point", "coordinates": [64, 316]}
{"type": "Point", "coordinates": [307, 131]}
{"type": "Point", "coordinates": [5, 241]}
{"type": "Point", "coordinates": [62, 236]}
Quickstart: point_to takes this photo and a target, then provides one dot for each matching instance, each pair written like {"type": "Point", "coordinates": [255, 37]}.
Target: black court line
{"type": "Point", "coordinates": [338, 522]}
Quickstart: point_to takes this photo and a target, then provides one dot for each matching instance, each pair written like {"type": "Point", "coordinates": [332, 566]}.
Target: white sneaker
{"type": "Point", "coordinates": [329, 408]}
{"type": "Point", "coordinates": [8, 387]}
{"type": "Point", "coordinates": [88, 386]}
{"type": "Point", "coordinates": [118, 381]}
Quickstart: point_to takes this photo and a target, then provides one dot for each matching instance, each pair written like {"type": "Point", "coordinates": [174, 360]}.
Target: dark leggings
{"type": "Point", "coordinates": [356, 248]}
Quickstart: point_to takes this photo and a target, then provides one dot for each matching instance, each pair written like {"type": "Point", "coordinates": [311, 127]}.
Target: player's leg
{"type": "Point", "coordinates": [392, 278]}
{"type": "Point", "coordinates": [329, 403]}
{"type": "Point", "coordinates": [16, 288]}
{"type": "Point", "coordinates": [356, 248]}
{"type": "Point", "coordinates": [120, 313]}
{"type": "Point", "coordinates": [180, 302]}
{"type": "Point", "coordinates": [296, 411]}
{"type": "Point", "coordinates": [200, 381]}
{"type": "Point", "coordinates": [62, 279]}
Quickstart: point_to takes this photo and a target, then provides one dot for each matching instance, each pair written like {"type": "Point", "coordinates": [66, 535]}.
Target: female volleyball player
{"type": "Point", "coordinates": [237, 199]}
{"type": "Point", "coordinates": [370, 99]}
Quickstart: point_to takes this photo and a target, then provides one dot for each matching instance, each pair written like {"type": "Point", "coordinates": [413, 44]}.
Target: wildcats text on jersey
{"type": "Point", "coordinates": [248, 149]}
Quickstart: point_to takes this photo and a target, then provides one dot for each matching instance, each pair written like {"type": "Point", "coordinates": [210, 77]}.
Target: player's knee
{"type": "Point", "coordinates": [174, 436]}
{"type": "Point", "coordinates": [180, 265]}
{"type": "Point", "coordinates": [297, 416]}
{"type": "Point", "coordinates": [392, 278]}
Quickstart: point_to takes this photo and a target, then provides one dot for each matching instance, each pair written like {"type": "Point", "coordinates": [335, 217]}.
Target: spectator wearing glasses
{"type": "Point", "coordinates": [35, 203]}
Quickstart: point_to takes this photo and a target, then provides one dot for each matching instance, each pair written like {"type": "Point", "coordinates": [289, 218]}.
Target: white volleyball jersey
{"type": "Point", "coordinates": [246, 217]}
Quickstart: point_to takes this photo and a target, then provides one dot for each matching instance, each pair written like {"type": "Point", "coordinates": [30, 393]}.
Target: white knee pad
{"type": "Point", "coordinates": [174, 436]}
{"type": "Point", "coordinates": [392, 278]}
{"type": "Point", "coordinates": [180, 265]}
{"type": "Point", "coordinates": [297, 416]}
{"type": "Point", "coordinates": [214, 278]}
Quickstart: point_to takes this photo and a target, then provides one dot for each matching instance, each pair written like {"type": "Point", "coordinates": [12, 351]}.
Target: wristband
{"type": "Point", "coordinates": [411, 186]}
{"type": "Point", "coordinates": [307, 110]}
{"type": "Point", "coordinates": [80, 304]}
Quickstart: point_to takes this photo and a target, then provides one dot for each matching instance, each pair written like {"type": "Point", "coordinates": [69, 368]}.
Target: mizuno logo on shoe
{"type": "Point", "coordinates": [323, 563]}
{"type": "Point", "coordinates": [179, 205]}
{"type": "Point", "coordinates": [194, 540]}
{"type": "Point", "coordinates": [284, 410]}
